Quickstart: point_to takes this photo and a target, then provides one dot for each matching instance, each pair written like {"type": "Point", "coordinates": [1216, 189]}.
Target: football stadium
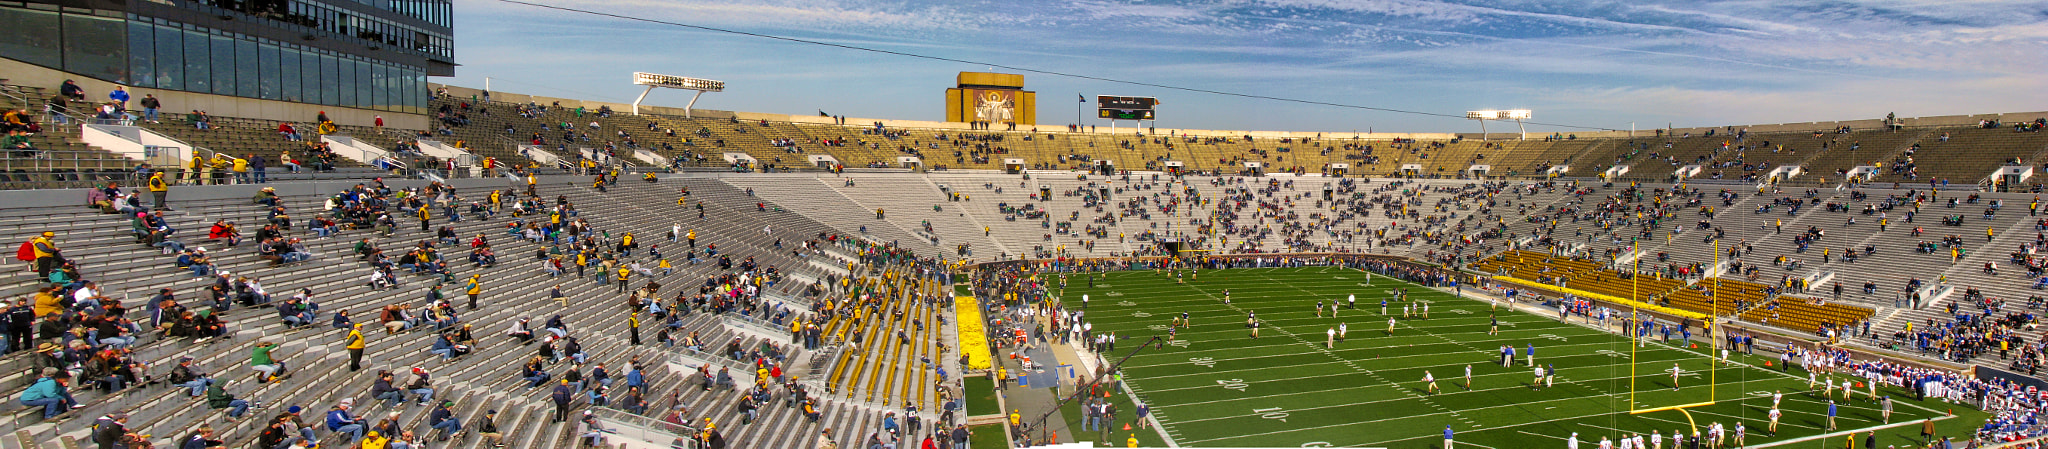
{"type": "Point", "coordinates": [230, 218]}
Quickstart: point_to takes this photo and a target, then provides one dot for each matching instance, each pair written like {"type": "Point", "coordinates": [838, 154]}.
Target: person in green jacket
{"type": "Point", "coordinates": [217, 397]}
{"type": "Point", "coordinates": [261, 360]}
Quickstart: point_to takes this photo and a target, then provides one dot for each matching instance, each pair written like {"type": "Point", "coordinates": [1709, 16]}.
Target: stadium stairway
{"type": "Point", "coordinates": [157, 411]}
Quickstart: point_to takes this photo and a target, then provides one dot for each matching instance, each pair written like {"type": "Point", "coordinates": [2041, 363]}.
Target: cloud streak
{"type": "Point", "coordinates": [1724, 62]}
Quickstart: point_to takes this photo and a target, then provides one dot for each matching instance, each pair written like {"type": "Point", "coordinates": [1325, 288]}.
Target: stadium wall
{"type": "Point", "coordinates": [1930, 121]}
{"type": "Point", "coordinates": [177, 103]}
{"type": "Point", "coordinates": [468, 92]}
{"type": "Point", "coordinates": [1859, 125]}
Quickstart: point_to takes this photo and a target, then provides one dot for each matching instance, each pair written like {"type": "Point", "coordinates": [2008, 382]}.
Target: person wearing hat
{"type": "Point", "coordinates": [422, 386]}
{"type": "Point", "coordinates": [339, 420]}
{"type": "Point", "coordinates": [159, 190]}
{"type": "Point", "coordinates": [475, 287]}
{"type": "Point", "coordinates": [562, 396]}
{"type": "Point", "coordinates": [294, 423]}
{"type": "Point", "coordinates": [108, 430]}
{"type": "Point", "coordinates": [267, 197]}
{"type": "Point", "coordinates": [46, 255]}
{"type": "Point", "coordinates": [49, 393]}
{"type": "Point", "coordinates": [445, 421]}
{"type": "Point", "coordinates": [593, 432]}
{"type": "Point", "coordinates": [375, 440]}
{"type": "Point", "coordinates": [488, 428]}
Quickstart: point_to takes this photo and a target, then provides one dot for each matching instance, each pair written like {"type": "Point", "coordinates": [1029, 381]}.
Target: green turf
{"type": "Point", "coordinates": [1217, 387]}
{"type": "Point", "coordinates": [981, 396]}
{"type": "Point", "coordinates": [988, 436]}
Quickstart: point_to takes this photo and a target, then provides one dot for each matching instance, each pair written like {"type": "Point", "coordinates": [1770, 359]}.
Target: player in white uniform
{"type": "Point", "coordinates": [1675, 371]}
{"type": "Point", "coordinates": [1774, 414]}
{"type": "Point", "coordinates": [1468, 378]}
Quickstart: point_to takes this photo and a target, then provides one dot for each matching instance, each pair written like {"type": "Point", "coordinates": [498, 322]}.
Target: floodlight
{"type": "Point", "coordinates": [652, 80]}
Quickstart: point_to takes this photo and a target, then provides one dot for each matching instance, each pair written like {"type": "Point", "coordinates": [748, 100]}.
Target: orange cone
{"type": "Point", "coordinates": [1127, 426]}
{"type": "Point", "coordinates": [1767, 363]}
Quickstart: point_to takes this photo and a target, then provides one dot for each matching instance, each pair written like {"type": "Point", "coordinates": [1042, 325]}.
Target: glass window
{"type": "Point", "coordinates": [141, 54]}
{"type": "Point", "coordinates": [330, 80]}
{"type": "Point", "coordinates": [419, 92]}
{"type": "Point", "coordinates": [363, 86]}
{"type": "Point", "coordinates": [288, 75]}
{"type": "Point", "coordinates": [170, 58]}
{"type": "Point", "coordinates": [224, 61]}
{"type": "Point", "coordinates": [272, 70]}
{"type": "Point", "coordinates": [380, 86]}
{"type": "Point", "coordinates": [246, 68]}
{"type": "Point", "coordinates": [96, 47]}
{"type": "Point", "coordinates": [31, 36]}
{"type": "Point", "coordinates": [346, 83]}
{"type": "Point", "coordinates": [197, 76]}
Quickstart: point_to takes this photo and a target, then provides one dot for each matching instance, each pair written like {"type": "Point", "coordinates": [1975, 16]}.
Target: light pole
{"type": "Point", "coordinates": [674, 82]}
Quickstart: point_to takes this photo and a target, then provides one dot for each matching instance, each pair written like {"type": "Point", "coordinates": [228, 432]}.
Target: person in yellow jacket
{"type": "Point", "coordinates": [241, 168]}
{"type": "Point", "coordinates": [426, 218]}
{"type": "Point", "coordinates": [47, 256]}
{"type": "Point", "coordinates": [1132, 442]}
{"type": "Point", "coordinates": [355, 347]}
{"type": "Point", "coordinates": [666, 268]}
{"type": "Point", "coordinates": [625, 274]}
{"type": "Point", "coordinates": [373, 440]}
{"type": "Point", "coordinates": [220, 168]}
{"type": "Point", "coordinates": [476, 287]}
{"type": "Point", "coordinates": [159, 189]}
{"type": "Point", "coordinates": [196, 169]}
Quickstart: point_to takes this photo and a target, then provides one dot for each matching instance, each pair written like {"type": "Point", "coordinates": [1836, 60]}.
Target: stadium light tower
{"type": "Point", "coordinates": [1518, 115]}
{"type": "Point", "coordinates": [1482, 117]}
{"type": "Point", "coordinates": [674, 82]}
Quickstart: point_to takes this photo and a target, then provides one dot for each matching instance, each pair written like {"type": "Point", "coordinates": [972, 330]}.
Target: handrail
{"type": "Point", "coordinates": [648, 429]}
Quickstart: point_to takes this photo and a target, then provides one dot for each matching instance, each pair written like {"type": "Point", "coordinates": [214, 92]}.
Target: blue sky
{"type": "Point", "coordinates": [1595, 63]}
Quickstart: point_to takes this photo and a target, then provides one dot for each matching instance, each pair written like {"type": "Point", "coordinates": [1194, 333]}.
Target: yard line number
{"type": "Point", "coordinates": [1271, 413]}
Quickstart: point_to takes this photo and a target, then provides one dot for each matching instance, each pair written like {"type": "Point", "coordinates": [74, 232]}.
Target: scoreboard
{"type": "Point", "coordinates": [1124, 108]}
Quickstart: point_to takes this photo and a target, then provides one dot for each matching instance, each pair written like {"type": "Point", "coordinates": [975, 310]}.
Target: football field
{"type": "Point", "coordinates": [1214, 385]}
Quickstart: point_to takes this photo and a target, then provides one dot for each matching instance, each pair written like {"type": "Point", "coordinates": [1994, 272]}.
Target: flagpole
{"type": "Point", "coordinates": [1078, 109]}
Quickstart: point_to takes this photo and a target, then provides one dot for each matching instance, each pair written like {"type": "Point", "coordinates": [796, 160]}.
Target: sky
{"type": "Point", "coordinates": [1577, 64]}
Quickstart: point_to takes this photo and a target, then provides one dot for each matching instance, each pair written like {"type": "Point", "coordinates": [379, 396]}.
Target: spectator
{"type": "Point", "coordinates": [71, 90]}
{"type": "Point", "coordinates": [159, 190]}
{"type": "Point", "coordinates": [444, 421]}
{"type": "Point", "coordinates": [44, 252]}
{"type": "Point", "coordinates": [50, 393]}
{"type": "Point", "coordinates": [186, 376]}
{"type": "Point", "coordinates": [217, 397]}
{"type": "Point", "coordinates": [120, 97]}
{"type": "Point", "coordinates": [149, 107]}
{"type": "Point", "coordinates": [261, 360]}
{"type": "Point", "coordinates": [339, 420]}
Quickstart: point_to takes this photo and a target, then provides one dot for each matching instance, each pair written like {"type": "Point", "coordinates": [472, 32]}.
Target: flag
{"type": "Point", "coordinates": [1084, 98]}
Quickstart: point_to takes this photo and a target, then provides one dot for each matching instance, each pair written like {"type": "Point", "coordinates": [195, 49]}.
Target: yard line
{"type": "Point", "coordinates": [1518, 404]}
{"type": "Point", "coordinates": [1411, 355]}
{"type": "Point", "coordinates": [1838, 434]}
{"type": "Point", "coordinates": [1453, 380]}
